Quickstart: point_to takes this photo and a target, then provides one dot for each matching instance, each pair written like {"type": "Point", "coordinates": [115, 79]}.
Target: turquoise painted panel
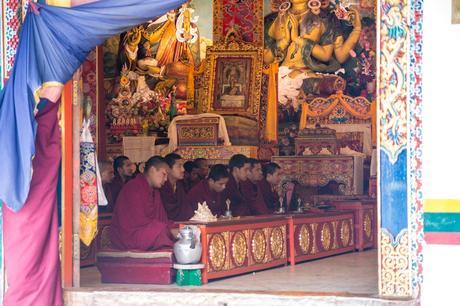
{"type": "Point", "coordinates": [442, 222]}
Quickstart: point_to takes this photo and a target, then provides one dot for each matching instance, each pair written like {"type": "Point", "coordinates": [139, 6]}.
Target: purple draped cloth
{"type": "Point", "coordinates": [31, 237]}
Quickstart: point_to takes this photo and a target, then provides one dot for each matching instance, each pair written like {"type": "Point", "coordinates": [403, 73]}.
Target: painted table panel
{"type": "Point", "coordinates": [365, 214]}
{"type": "Point", "coordinates": [246, 244]}
{"type": "Point", "coordinates": [313, 236]}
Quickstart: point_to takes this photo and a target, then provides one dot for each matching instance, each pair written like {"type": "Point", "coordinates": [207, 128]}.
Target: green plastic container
{"type": "Point", "coordinates": [188, 277]}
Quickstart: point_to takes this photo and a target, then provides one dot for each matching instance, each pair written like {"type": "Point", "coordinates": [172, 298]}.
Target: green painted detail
{"type": "Point", "coordinates": [188, 277]}
{"type": "Point", "coordinates": [442, 222]}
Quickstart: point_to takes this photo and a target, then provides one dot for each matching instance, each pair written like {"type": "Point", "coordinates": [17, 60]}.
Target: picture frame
{"type": "Point", "coordinates": [233, 79]}
{"type": "Point", "coordinates": [455, 11]}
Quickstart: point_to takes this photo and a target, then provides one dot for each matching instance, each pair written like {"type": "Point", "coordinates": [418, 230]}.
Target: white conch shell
{"type": "Point", "coordinates": [203, 214]}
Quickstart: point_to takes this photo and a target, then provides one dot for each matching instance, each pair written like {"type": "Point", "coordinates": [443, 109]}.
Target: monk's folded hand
{"type": "Point", "coordinates": [175, 233]}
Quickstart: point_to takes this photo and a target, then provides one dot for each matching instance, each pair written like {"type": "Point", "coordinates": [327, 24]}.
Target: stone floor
{"type": "Point", "coordinates": [349, 279]}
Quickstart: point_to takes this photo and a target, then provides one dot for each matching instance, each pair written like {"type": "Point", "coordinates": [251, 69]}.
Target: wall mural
{"type": "Point", "coordinates": [146, 68]}
{"type": "Point", "coordinates": [329, 48]}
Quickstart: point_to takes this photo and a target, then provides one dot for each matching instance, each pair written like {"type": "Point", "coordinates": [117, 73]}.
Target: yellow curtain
{"type": "Point", "coordinates": [271, 126]}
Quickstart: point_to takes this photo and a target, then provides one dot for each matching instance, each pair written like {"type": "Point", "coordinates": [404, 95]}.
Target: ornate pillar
{"type": "Point", "coordinates": [400, 196]}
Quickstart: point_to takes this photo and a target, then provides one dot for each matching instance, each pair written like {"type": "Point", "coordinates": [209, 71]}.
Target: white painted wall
{"type": "Point", "coordinates": [441, 102]}
{"type": "Point", "coordinates": [441, 145]}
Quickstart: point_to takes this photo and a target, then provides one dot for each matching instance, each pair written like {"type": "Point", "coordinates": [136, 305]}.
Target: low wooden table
{"type": "Point", "coordinates": [318, 235]}
{"type": "Point", "coordinates": [241, 245]}
{"type": "Point", "coordinates": [365, 213]}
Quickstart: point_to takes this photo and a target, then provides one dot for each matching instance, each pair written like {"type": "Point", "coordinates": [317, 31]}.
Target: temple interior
{"type": "Point", "coordinates": [288, 82]}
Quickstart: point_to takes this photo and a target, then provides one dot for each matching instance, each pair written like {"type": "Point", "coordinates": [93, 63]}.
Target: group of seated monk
{"type": "Point", "coordinates": [170, 190]}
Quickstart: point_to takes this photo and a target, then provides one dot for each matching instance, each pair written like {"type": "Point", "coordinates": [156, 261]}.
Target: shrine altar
{"type": "Point", "coordinates": [319, 170]}
{"type": "Point", "coordinates": [318, 235]}
{"type": "Point", "coordinates": [216, 154]}
{"type": "Point", "coordinates": [240, 245]}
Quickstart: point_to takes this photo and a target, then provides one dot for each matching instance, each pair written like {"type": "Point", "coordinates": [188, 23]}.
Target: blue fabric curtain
{"type": "Point", "coordinates": [54, 41]}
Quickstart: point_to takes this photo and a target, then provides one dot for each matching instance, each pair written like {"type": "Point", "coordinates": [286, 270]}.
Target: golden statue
{"type": "Point", "coordinates": [304, 38]}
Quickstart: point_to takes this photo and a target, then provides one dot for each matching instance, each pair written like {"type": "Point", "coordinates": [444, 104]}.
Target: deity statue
{"type": "Point", "coordinates": [162, 49]}
{"type": "Point", "coordinates": [305, 37]}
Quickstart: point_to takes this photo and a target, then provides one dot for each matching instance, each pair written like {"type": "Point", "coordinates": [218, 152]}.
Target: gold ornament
{"type": "Point", "coordinates": [326, 237]}
{"type": "Point", "coordinates": [239, 249]}
{"type": "Point", "coordinates": [395, 268]}
{"type": "Point", "coordinates": [367, 224]}
{"type": "Point", "coordinates": [258, 246]}
{"type": "Point", "coordinates": [304, 239]}
{"type": "Point", "coordinates": [277, 243]}
{"type": "Point", "coordinates": [345, 233]}
{"type": "Point", "coordinates": [124, 81]}
{"type": "Point", "coordinates": [217, 252]}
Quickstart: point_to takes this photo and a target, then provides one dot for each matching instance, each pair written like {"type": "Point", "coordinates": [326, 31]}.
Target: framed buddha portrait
{"type": "Point", "coordinates": [233, 79]}
{"type": "Point", "coordinates": [455, 11]}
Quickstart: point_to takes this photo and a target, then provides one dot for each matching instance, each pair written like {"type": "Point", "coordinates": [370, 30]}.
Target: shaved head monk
{"type": "Point", "coordinates": [139, 221]}
{"type": "Point", "coordinates": [239, 169]}
{"type": "Point", "coordinates": [267, 186]}
{"type": "Point", "coordinates": [250, 189]}
{"type": "Point", "coordinates": [203, 167]}
{"type": "Point", "coordinates": [191, 177]}
{"type": "Point", "coordinates": [210, 190]}
{"type": "Point", "coordinates": [173, 191]}
{"type": "Point", "coordinates": [123, 170]}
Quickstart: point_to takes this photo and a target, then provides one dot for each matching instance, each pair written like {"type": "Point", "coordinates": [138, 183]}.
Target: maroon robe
{"type": "Point", "coordinates": [175, 204]}
{"type": "Point", "coordinates": [139, 220]}
{"type": "Point", "coordinates": [270, 196]}
{"type": "Point", "coordinates": [108, 195]}
{"type": "Point", "coordinates": [113, 189]}
{"type": "Point", "coordinates": [201, 192]}
{"type": "Point", "coordinates": [189, 184]}
{"type": "Point", "coordinates": [31, 236]}
{"type": "Point", "coordinates": [254, 198]}
{"type": "Point", "coordinates": [239, 205]}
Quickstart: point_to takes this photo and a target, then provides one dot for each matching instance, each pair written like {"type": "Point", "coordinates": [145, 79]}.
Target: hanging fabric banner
{"type": "Point", "coordinates": [88, 186]}
{"type": "Point", "coordinates": [54, 41]}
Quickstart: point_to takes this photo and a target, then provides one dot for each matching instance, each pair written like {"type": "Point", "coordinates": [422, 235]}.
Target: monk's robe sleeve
{"type": "Point", "coordinates": [201, 193]}
{"type": "Point", "coordinates": [176, 206]}
{"type": "Point", "coordinates": [238, 206]}
{"type": "Point", "coordinates": [270, 197]}
{"type": "Point", "coordinates": [139, 220]}
{"type": "Point", "coordinates": [254, 199]}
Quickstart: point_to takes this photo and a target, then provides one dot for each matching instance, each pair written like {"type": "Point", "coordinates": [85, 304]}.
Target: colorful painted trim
{"type": "Point", "coordinates": [415, 152]}
{"type": "Point", "coordinates": [441, 206]}
{"type": "Point", "coordinates": [442, 222]}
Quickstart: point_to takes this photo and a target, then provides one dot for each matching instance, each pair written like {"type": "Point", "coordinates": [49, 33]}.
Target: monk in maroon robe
{"type": "Point", "coordinates": [124, 170]}
{"type": "Point", "coordinates": [239, 167]}
{"type": "Point", "coordinates": [139, 221]}
{"type": "Point", "coordinates": [191, 175]}
{"type": "Point", "coordinates": [267, 186]}
{"type": "Point", "coordinates": [203, 167]}
{"type": "Point", "coordinates": [173, 192]}
{"type": "Point", "coordinates": [251, 192]}
{"type": "Point", "coordinates": [210, 190]}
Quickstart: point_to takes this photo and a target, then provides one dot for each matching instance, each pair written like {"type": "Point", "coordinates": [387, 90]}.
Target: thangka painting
{"type": "Point", "coordinates": [455, 11]}
{"type": "Point", "coordinates": [244, 16]}
{"type": "Point", "coordinates": [231, 85]}
{"type": "Point", "coordinates": [330, 48]}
